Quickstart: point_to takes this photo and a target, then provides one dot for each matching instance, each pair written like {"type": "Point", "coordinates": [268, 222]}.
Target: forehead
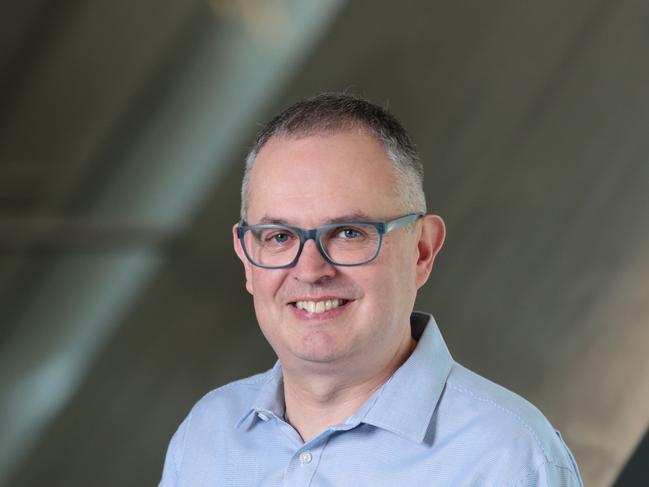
{"type": "Point", "coordinates": [319, 177]}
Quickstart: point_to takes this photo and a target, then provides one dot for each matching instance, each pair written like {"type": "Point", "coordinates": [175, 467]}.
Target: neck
{"type": "Point", "coordinates": [316, 401]}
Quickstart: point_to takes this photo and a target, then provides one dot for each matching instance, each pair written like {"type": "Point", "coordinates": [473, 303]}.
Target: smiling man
{"type": "Point", "coordinates": [335, 242]}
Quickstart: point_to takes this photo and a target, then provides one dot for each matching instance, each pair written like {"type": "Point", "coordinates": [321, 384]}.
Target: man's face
{"type": "Point", "coordinates": [308, 182]}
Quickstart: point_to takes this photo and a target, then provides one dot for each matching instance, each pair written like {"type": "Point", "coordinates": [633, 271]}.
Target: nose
{"type": "Point", "coordinates": [312, 266]}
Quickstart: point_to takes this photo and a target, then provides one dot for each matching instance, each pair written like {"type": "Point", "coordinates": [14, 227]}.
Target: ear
{"type": "Point", "coordinates": [247, 266]}
{"type": "Point", "coordinates": [431, 239]}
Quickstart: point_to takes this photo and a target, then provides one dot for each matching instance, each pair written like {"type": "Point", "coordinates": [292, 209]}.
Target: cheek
{"type": "Point", "coordinates": [263, 287]}
{"type": "Point", "coordinates": [379, 286]}
{"type": "Point", "coordinates": [263, 284]}
{"type": "Point", "coordinates": [396, 283]}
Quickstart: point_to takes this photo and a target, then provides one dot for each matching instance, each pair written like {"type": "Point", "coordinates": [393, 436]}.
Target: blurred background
{"type": "Point", "coordinates": [123, 126]}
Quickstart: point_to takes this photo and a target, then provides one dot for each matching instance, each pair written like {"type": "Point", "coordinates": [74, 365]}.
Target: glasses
{"type": "Point", "coordinates": [342, 244]}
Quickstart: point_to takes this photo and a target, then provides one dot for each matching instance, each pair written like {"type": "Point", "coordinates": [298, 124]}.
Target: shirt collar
{"type": "Point", "coordinates": [270, 398]}
{"type": "Point", "coordinates": [406, 402]}
{"type": "Point", "coordinates": [403, 405]}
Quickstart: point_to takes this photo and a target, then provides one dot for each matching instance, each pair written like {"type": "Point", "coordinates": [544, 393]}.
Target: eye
{"type": "Point", "coordinates": [279, 237]}
{"type": "Point", "coordinates": [349, 233]}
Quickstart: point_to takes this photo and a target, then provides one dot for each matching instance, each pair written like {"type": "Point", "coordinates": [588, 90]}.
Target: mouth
{"type": "Point", "coordinates": [319, 306]}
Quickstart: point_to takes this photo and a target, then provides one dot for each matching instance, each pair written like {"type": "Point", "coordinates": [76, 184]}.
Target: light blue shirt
{"type": "Point", "coordinates": [433, 423]}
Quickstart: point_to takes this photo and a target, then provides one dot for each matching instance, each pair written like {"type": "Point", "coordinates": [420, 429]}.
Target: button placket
{"type": "Point", "coordinates": [305, 457]}
{"type": "Point", "coordinates": [303, 466]}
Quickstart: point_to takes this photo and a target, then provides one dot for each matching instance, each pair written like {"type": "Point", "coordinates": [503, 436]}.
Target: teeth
{"type": "Point", "coordinates": [319, 306]}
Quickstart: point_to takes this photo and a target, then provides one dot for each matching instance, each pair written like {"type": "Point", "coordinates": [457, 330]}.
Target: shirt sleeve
{"type": "Point", "coordinates": [173, 459]}
{"type": "Point", "coordinates": [551, 475]}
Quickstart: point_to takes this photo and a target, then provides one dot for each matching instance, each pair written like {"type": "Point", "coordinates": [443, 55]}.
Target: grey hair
{"type": "Point", "coordinates": [332, 112]}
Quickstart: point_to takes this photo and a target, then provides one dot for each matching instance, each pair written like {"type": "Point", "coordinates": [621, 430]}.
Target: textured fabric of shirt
{"type": "Point", "coordinates": [433, 423]}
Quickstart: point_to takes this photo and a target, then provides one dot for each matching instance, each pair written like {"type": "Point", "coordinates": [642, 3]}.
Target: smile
{"type": "Point", "coordinates": [319, 306]}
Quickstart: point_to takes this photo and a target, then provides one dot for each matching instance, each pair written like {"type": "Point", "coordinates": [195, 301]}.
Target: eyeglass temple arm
{"type": "Point", "coordinates": [404, 220]}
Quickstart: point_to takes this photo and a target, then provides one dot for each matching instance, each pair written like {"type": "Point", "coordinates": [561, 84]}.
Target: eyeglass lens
{"type": "Point", "coordinates": [276, 246]}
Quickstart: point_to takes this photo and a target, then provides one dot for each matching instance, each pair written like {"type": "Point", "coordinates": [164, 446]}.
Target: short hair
{"type": "Point", "coordinates": [333, 112]}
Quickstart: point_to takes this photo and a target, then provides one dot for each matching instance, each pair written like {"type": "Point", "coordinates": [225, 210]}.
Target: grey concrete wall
{"type": "Point", "coordinates": [532, 119]}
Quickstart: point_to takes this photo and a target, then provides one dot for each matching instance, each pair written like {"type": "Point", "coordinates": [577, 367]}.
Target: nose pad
{"type": "Point", "coordinates": [312, 265]}
{"type": "Point", "coordinates": [313, 252]}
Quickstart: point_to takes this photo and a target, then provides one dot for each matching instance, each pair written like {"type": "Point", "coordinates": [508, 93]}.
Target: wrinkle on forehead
{"type": "Point", "coordinates": [357, 216]}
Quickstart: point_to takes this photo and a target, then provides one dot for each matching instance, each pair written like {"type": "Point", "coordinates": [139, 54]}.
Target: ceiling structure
{"type": "Point", "coordinates": [122, 131]}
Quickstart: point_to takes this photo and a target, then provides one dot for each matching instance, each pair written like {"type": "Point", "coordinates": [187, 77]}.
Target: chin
{"type": "Point", "coordinates": [319, 350]}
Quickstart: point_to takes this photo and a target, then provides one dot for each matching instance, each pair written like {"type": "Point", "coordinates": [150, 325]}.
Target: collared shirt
{"type": "Point", "coordinates": [433, 423]}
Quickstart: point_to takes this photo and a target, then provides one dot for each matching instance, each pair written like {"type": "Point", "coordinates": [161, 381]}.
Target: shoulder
{"type": "Point", "coordinates": [482, 398]}
{"type": "Point", "coordinates": [503, 428]}
{"type": "Point", "coordinates": [199, 441]}
{"type": "Point", "coordinates": [217, 413]}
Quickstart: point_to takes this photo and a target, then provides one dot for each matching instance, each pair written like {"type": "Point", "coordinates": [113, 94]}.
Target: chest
{"type": "Point", "coordinates": [273, 456]}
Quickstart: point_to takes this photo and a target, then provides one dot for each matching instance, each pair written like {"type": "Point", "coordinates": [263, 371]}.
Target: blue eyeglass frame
{"type": "Point", "coordinates": [315, 233]}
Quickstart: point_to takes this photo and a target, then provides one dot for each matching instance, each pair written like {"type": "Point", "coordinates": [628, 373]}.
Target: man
{"type": "Point", "coordinates": [335, 243]}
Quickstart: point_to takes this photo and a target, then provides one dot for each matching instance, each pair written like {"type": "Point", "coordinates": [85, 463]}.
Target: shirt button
{"type": "Point", "coordinates": [305, 457]}
{"type": "Point", "coordinates": [262, 416]}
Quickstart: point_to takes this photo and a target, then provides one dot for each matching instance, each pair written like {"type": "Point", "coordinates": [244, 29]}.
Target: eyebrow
{"type": "Point", "coordinates": [350, 217]}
